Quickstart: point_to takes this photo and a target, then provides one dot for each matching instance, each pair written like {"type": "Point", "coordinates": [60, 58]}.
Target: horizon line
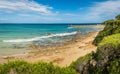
{"type": "Point", "coordinates": [50, 23]}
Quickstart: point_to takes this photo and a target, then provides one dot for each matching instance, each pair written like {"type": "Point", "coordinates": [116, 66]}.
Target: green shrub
{"type": "Point", "coordinates": [81, 61]}
{"type": "Point", "coordinates": [79, 64]}
{"type": "Point", "coordinates": [107, 56]}
{"type": "Point", "coordinates": [22, 67]}
{"type": "Point", "coordinates": [118, 17]}
{"type": "Point", "coordinates": [111, 27]}
{"type": "Point", "coordinates": [113, 40]}
{"type": "Point", "coordinates": [114, 67]}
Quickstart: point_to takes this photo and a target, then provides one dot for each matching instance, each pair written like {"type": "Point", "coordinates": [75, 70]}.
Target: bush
{"type": "Point", "coordinates": [114, 67]}
{"type": "Point", "coordinates": [79, 64]}
{"type": "Point", "coordinates": [118, 17]}
{"type": "Point", "coordinates": [111, 27]}
{"type": "Point", "coordinates": [22, 67]}
{"type": "Point", "coordinates": [107, 57]}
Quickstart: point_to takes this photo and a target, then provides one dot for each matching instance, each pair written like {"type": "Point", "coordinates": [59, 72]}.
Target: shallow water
{"type": "Point", "coordinates": [19, 37]}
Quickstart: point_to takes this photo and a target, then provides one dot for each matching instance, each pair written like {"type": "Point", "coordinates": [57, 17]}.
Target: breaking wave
{"type": "Point", "coordinates": [39, 38]}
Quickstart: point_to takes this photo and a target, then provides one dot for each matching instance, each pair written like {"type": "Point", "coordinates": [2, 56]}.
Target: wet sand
{"type": "Point", "coordinates": [62, 55]}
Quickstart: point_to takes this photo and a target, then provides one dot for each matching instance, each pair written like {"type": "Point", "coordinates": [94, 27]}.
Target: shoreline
{"type": "Point", "coordinates": [62, 55]}
{"type": "Point", "coordinates": [86, 26]}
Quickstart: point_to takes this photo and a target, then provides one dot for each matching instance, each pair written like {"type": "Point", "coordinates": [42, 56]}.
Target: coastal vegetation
{"type": "Point", "coordinates": [22, 67]}
{"type": "Point", "coordinates": [111, 27]}
{"type": "Point", "coordinates": [106, 59]}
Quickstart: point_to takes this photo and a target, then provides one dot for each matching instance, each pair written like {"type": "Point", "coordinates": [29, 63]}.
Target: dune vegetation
{"type": "Point", "coordinates": [106, 60]}
{"type": "Point", "coordinates": [22, 67]}
{"type": "Point", "coordinates": [111, 27]}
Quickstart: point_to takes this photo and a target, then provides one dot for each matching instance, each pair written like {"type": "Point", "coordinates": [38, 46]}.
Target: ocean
{"type": "Point", "coordinates": [17, 38]}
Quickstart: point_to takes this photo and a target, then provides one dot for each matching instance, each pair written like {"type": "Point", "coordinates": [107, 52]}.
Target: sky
{"type": "Point", "coordinates": [58, 11]}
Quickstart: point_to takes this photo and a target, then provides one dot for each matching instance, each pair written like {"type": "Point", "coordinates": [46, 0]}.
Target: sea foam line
{"type": "Point", "coordinates": [38, 38]}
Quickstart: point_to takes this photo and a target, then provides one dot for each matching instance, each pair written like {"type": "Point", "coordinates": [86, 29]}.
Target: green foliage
{"type": "Point", "coordinates": [109, 46]}
{"type": "Point", "coordinates": [108, 22]}
{"type": "Point", "coordinates": [22, 67]}
{"type": "Point", "coordinates": [81, 61]}
{"type": "Point", "coordinates": [118, 17]}
{"type": "Point", "coordinates": [114, 67]}
{"type": "Point", "coordinates": [111, 22]}
{"type": "Point", "coordinates": [107, 56]}
{"type": "Point", "coordinates": [106, 60]}
{"type": "Point", "coordinates": [111, 27]}
{"type": "Point", "coordinates": [113, 40]}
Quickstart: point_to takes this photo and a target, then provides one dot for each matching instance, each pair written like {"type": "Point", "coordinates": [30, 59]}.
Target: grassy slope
{"type": "Point", "coordinates": [111, 27]}
{"type": "Point", "coordinates": [106, 60]}
{"type": "Point", "coordinates": [107, 56]}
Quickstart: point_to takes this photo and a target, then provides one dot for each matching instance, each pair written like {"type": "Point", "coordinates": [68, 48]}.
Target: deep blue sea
{"type": "Point", "coordinates": [20, 36]}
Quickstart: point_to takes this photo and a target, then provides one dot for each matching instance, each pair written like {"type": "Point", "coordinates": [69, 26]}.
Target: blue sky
{"type": "Point", "coordinates": [58, 11]}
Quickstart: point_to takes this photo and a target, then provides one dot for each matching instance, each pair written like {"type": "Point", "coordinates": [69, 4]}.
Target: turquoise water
{"type": "Point", "coordinates": [20, 36]}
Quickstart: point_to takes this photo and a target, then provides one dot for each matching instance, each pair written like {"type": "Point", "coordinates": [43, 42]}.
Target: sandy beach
{"type": "Point", "coordinates": [86, 26]}
{"type": "Point", "coordinates": [62, 55]}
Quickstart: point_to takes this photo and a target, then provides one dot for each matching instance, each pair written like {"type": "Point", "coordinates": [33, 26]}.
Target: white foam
{"type": "Point", "coordinates": [38, 38]}
{"type": "Point", "coordinates": [70, 27]}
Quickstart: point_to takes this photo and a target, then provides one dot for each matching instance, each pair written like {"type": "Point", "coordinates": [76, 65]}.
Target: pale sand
{"type": "Point", "coordinates": [63, 55]}
{"type": "Point", "coordinates": [86, 26]}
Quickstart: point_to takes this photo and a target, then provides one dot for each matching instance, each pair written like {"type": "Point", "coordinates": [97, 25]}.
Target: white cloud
{"type": "Point", "coordinates": [24, 6]}
{"type": "Point", "coordinates": [24, 14]}
{"type": "Point", "coordinates": [104, 10]}
{"type": "Point", "coordinates": [70, 14]}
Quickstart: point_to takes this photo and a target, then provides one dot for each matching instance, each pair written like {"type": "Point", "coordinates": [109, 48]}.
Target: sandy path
{"type": "Point", "coordinates": [63, 55]}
